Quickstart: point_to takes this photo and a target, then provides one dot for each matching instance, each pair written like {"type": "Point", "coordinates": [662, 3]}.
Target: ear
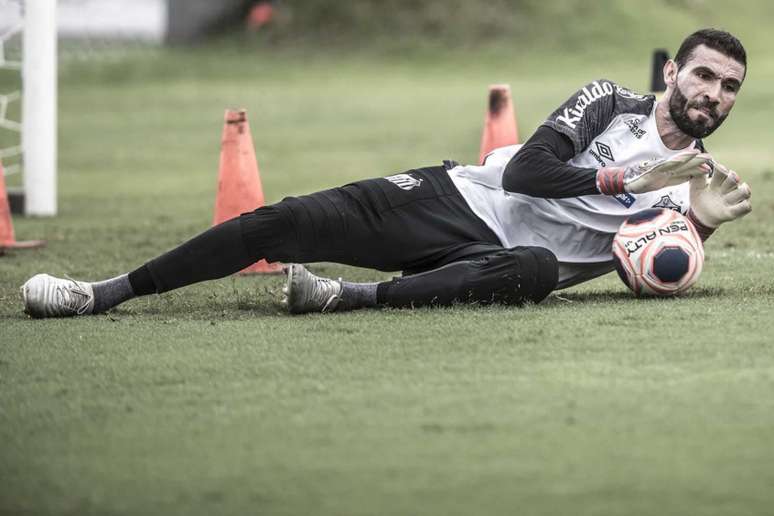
{"type": "Point", "coordinates": [670, 73]}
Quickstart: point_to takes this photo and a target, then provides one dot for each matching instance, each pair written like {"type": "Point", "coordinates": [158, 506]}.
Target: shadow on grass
{"type": "Point", "coordinates": [623, 296]}
{"type": "Point", "coordinates": [265, 302]}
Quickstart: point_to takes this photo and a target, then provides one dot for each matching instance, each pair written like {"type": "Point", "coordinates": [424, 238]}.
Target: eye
{"type": "Point", "coordinates": [730, 88]}
{"type": "Point", "coordinates": [704, 76]}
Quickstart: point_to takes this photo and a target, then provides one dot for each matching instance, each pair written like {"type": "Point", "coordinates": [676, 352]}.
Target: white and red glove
{"type": "Point", "coordinates": [649, 176]}
{"type": "Point", "coordinates": [721, 198]}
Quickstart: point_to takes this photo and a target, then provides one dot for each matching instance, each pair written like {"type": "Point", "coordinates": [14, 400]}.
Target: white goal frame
{"type": "Point", "coordinates": [38, 95]}
{"type": "Point", "coordinates": [39, 107]}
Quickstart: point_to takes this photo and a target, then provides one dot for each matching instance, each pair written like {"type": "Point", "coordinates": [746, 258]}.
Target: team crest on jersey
{"type": "Point", "coordinates": [635, 129]}
{"type": "Point", "coordinates": [404, 181]}
{"type": "Point", "coordinates": [626, 199]}
{"type": "Point", "coordinates": [667, 202]}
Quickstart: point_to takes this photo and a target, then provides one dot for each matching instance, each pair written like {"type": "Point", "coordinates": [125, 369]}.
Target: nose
{"type": "Point", "coordinates": [712, 93]}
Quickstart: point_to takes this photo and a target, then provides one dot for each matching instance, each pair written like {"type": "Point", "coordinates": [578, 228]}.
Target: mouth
{"type": "Point", "coordinates": [705, 112]}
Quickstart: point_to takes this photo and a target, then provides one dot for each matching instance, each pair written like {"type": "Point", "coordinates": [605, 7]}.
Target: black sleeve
{"type": "Point", "coordinates": [540, 168]}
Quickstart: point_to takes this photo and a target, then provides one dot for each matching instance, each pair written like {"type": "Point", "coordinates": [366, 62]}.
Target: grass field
{"type": "Point", "coordinates": [210, 400]}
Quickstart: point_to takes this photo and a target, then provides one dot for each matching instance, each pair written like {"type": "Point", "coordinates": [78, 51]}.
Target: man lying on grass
{"type": "Point", "coordinates": [531, 219]}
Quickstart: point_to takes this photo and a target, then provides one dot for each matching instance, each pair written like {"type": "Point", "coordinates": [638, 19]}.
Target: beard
{"type": "Point", "coordinates": [678, 110]}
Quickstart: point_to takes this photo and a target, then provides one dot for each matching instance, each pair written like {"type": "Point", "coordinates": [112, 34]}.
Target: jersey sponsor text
{"type": "Point", "coordinates": [586, 97]}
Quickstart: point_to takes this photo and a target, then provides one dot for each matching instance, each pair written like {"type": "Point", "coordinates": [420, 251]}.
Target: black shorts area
{"type": "Point", "coordinates": [411, 222]}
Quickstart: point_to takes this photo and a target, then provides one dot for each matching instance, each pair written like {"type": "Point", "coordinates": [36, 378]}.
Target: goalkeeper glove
{"type": "Point", "coordinates": [649, 176]}
{"type": "Point", "coordinates": [720, 199]}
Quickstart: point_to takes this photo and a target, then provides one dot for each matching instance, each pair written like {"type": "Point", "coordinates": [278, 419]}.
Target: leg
{"type": "Point", "coordinates": [220, 251]}
{"type": "Point", "coordinates": [371, 223]}
{"type": "Point", "coordinates": [407, 221]}
{"type": "Point", "coordinates": [510, 277]}
{"type": "Point", "coordinates": [507, 276]}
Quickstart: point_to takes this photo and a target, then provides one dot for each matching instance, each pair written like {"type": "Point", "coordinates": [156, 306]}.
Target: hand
{"type": "Point", "coordinates": [720, 199]}
{"type": "Point", "coordinates": [649, 176]}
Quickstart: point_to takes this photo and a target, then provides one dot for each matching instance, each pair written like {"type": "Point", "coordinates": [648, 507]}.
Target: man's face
{"type": "Point", "coordinates": [704, 91]}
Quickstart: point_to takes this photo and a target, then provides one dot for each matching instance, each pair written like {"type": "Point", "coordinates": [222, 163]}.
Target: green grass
{"type": "Point", "coordinates": [210, 400]}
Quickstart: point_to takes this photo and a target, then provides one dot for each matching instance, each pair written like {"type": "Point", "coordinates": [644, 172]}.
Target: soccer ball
{"type": "Point", "coordinates": [658, 252]}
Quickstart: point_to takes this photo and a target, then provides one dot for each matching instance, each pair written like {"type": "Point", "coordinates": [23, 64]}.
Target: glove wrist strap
{"type": "Point", "coordinates": [703, 230]}
{"type": "Point", "coordinates": [610, 181]}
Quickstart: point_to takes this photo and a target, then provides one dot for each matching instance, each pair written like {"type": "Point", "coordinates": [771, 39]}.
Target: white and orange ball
{"type": "Point", "coordinates": [658, 252]}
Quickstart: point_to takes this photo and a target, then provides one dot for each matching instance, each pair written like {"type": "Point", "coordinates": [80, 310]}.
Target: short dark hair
{"type": "Point", "coordinates": [715, 39]}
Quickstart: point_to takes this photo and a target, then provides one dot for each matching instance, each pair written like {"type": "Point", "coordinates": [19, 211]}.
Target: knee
{"type": "Point", "coordinates": [546, 272]}
{"type": "Point", "coordinates": [518, 275]}
{"type": "Point", "coordinates": [268, 232]}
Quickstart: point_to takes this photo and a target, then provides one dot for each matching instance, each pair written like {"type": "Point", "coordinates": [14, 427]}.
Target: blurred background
{"type": "Point", "coordinates": [456, 23]}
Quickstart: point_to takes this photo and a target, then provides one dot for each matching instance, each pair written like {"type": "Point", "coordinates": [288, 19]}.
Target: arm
{"type": "Point", "coordinates": [540, 168]}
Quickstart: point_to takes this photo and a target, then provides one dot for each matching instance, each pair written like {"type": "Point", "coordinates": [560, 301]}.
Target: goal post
{"type": "Point", "coordinates": [31, 54]}
{"type": "Point", "coordinates": [39, 107]}
{"type": "Point", "coordinates": [28, 114]}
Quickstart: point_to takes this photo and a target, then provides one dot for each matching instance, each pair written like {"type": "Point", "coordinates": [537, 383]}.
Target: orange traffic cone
{"type": "Point", "coordinates": [7, 237]}
{"type": "Point", "coordinates": [260, 14]}
{"type": "Point", "coordinates": [239, 182]}
{"type": "Point", "coordinates": [500, 123]}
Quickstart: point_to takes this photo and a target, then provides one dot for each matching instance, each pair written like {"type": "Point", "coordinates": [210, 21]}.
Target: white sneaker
{"type": "Point", "coordinates": [47, 296]}
{"type": "Point", "coordinates": [306, 292]}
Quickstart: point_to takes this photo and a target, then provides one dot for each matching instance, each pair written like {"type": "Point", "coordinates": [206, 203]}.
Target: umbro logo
{"type": "Point", "coordinates": [604, 151]}
{"type": "Point", "coordinates": [404, 181]}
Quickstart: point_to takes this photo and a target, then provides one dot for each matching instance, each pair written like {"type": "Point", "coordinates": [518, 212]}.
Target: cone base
{"type": "Point", "coordinates": [24, 244]}
{"type": "Point", "coordinates": [262, 267]}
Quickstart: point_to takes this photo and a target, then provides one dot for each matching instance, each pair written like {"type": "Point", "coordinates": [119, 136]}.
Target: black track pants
{"type": "Point", "coordinates": [415, 222]}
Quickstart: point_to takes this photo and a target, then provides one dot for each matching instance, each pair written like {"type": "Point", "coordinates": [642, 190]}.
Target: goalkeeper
{"type": "Point", "coordinates": [531, 219]}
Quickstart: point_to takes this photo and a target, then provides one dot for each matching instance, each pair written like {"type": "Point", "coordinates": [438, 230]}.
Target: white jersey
{"type": "Point", "coordinates": [609, 126]}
